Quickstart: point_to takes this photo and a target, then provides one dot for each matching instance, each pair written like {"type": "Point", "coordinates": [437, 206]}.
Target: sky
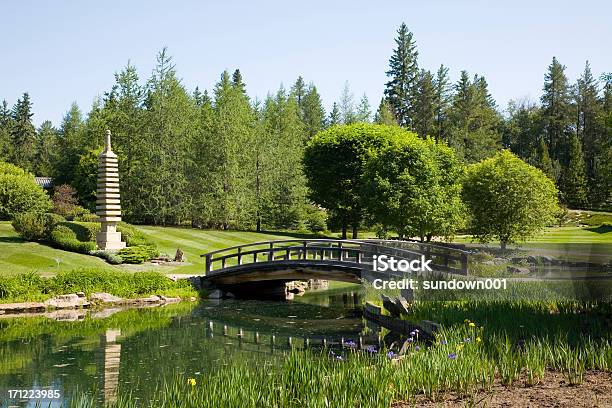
{"type": "Point", "coordinates": [68, 51]}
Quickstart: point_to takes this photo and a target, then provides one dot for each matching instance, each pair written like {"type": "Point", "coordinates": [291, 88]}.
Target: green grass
{"type": "Point", "coordinates": [19, 256]}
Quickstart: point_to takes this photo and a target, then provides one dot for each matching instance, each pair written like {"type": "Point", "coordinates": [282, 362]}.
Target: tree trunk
{"type": "Point", "coordinates": [503, 245]}
{"type": "Point", "coordinates": [343, 231]}
{"type": "Point", "coordinates": [354, 231]}
{"type": "Point", "coordinates": [258, 228]}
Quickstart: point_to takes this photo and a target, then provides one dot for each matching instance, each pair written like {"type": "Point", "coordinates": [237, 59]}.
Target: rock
{"type": "Point", "coordinates": [229, 295]}
{"type": "Point", "coordinates": [499, 261]}
{"type": "Point", "coordinates": [148, 299]}
{"type": "Point", "coordinates": [215, 294]}
{"type": "Point", "coordinates": [80, 294]}
{"type": "Point", "coordinates": [70, 301]}
{"type": "Point", "coordinates": [166, 299]}
{"type": "Point", "coordinates": [518, 269]}
{"type": "Point", "coordinates": [103, 297]}
{"type": "Point", "coordinates": [488, 263]}
{"type": "Point", "coordinates": [192, 299]}
{"type": "Point", "coordinates": [179, 256]}
{"type": "Point", "coordinates": [404, 306]}
{"type": "Point", "coordinates": [66, 315]}
{"type": "Point", "coordinates": [407, 294]}
{"type": "Point", "coordinates": [21, 307]}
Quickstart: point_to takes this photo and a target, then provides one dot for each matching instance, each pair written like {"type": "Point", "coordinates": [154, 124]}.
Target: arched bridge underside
{"type": "Point", "coordinates": [340, 260]}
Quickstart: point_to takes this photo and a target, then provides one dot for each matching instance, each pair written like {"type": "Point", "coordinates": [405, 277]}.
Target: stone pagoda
{"type": "Point", "coordinates": [108, 203]}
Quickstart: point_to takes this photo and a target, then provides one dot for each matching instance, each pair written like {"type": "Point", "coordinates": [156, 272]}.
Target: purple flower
{"type": "Point", "coordinates": [410, 340]}
{"type": "Point", "coordinates": [339, 358]}
{"type": "Point", "coordinates": [443, 342]}
{"type": "Point", "coordinates": [416, 330]}
{"type": "Point", "coordinates": [350, 343]}
{"type": "Point", "coordinates": [371, 349]}
{"type": "Point", "coordinates": [452, 356]}
{"type": "Point", "coordinates": [390, 354]}
{"type": "Point", "coordinates": [413, 333]}
{"type": "Point", "coordinates": [417, 348]}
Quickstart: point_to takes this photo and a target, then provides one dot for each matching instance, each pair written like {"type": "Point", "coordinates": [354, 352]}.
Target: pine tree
{"type": "Point", "coordinates": [298, 90]}
{"type": "Point", "coordinates": [6, 123]}
{"type": "Point", "coordinates": [557, 116]}
{"type": "Point", "coordinates": [347, 106]}
{"type": "Point", "coordinates": [424, 105]}
{"type": "Point", "coordinates": [46, 149]}
{"type": "Point", "coordinates": [313, 113]}
{"type": "Point", "coordinates": [442, 99]}
{"type": "Point", "coordinates": [334, 116]}
{"type": "Point", "coordinates": [363, 110]}
{"type": "Point", "coordinates": [237, 81]}
{"type": "Point", "coordinates": [544, 163]}
{"type": "Point", "coordinates": [574, 178]}
{"type": "Point", "coordinates": [587, 123]}
{"type": "Point", "coordinates": [384, 116]}
{"type": "Point", "coordinates": [403, 71]}
{"type": "Point", "coordinates": [23, 134]}
{"type": "Point", "coordinates": [70, 145]}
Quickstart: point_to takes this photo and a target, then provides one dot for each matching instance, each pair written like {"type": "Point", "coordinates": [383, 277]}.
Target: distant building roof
{"type": "Point", "coordinates": [44, 182]}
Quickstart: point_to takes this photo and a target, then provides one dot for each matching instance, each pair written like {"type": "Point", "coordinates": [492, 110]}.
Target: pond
{"type": "Point", "coordinates": [134, 349]}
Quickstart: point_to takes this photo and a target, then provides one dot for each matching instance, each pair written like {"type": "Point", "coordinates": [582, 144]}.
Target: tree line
{"type": "Point", "coordinates": [225, 160]}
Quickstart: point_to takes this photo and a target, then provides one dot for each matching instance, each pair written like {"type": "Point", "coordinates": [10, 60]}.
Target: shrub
{"type": "Point", "coordinates": [109, 257]}
{"type": "Point", "coordinates": [85, 231]}
{"type": "Point", "coordinates": [65, 238]}
{"type": "Point", "coordinates": [315, 219]}
{"type": "Point", "coordinates": [64, 200]}
{"type": "Point", "coordinates": [35, 226]}
{"type": "Point", "coordinates": [86, 217]}
{"type": "Point", "coordinates": [138, 254]}
{"type": "Point", "coordinates": [19, 193]}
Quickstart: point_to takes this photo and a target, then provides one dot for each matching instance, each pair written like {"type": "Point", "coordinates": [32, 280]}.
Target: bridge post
{"type": "Point", "coordinates": [208, 264]}
{"type": "Point", "coordinates": [340, 252]}
{"type": "Point", "coordinates": [305, 248]}
{"type": "Point", "coordinates": [464, 264]}
{"type": "Point", "coordinates": [271, 252]}
{"type": "Point", "coordinates": [239, 257]}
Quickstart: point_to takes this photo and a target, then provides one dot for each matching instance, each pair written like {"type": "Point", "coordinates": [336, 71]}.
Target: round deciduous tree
{"type": "Point", "coordinates": [334, 162]}
{"type": "Point", "coordinates": [19, 193]}
{"type": "Point", "coordinates": [508, 199]}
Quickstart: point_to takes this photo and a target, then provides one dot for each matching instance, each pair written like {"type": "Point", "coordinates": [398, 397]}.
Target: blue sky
{"type": "Point", "coordinates": [64, 51]}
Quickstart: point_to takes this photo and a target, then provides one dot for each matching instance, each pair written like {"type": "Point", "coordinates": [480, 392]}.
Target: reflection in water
{"type": "Point", "coordinates": [134, 349]}
{"type": "Point", "coordinates": [112, 360]}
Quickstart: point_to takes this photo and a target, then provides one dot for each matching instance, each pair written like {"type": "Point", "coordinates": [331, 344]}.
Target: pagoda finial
{"type": "Point", "coordinates": [107, 141]}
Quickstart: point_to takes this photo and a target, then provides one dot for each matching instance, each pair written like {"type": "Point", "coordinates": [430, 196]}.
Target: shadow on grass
{"type": "Point", "coordinates": [602, 229]}
{"type": "Point", "coordinates": [12, 240]}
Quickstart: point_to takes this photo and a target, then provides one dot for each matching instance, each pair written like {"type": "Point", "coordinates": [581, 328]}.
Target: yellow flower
{"type": "Point", "coordinates": [478, 339]}
{"type": "Point", "coordinates": [191, 381]}
{"type": "Point", "coordinates": [460, 346]}
{"type": "Point", "coordinates": [471, 324]}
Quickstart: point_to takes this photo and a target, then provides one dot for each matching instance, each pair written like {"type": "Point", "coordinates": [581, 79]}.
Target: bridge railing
{"type": "Point", "coordinates": [356, 252]}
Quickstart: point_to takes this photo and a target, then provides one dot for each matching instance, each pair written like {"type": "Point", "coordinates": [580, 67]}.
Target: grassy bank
{"type": "Point", "coordinates": [30, 287]}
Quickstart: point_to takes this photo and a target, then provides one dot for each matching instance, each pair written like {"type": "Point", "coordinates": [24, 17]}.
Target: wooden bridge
{"type": "Point", "coordinates": [331, 259]}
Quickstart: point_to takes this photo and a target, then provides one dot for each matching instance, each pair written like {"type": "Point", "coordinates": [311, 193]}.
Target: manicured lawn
{"type": "Point", "coordinates": [580, 243]}
{"type": "Point", "coordinates": [18, 256]}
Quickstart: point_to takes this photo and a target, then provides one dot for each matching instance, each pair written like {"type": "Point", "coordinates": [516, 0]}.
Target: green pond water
{"type": "Point", "coordinates": [134, 349]}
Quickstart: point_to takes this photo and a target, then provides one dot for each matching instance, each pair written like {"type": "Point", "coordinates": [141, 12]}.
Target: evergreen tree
{"type": "Point", "coordinates": [384, 116]}
{"type": "Point", "coordinates": [46, 149]}
{"type": "Point", "coordinates": [475, 132]}
{"type": "Point", "coordinates": [6, 123]}
{"type": "Point", "coordinates": [334, 116]}
{"type": "Point", "coordinates": [298, 90]}
{"type": "Point", "coordinates": [522, 130]}
{"type": "Point", "coordinates": [557, 115]}
{"type": "Point", "coordinates": [347, 106]}
{"type": "Point", "coordinates": [23, 134]}
{"type": "Point", "coordinates": [442, 100]}
{"type": "Point", "coordinates": [403, 73]}
{"type": "Point", "coordinates": [363, 110]}
{"type": "Point", "coordinates": [70, 146]}
{"type": "Point", "coordinates": [238, 82]}
{"type": "Point", "coordinates": [574, 179]}
{"type": "Point", "coordinates": [424, 105]}
{"type": "Point", "coordinates": [544, 163]}
{"type": "Point", "coordinates": [313, 113]}
{"type": "Point", "coordinates": [587, 123]}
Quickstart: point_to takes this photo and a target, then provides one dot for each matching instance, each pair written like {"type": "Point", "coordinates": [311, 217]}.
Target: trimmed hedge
{"type": "Point", "coordinates": [65, 238]}
{"type": "Point", "coordinates": [138, 254]}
